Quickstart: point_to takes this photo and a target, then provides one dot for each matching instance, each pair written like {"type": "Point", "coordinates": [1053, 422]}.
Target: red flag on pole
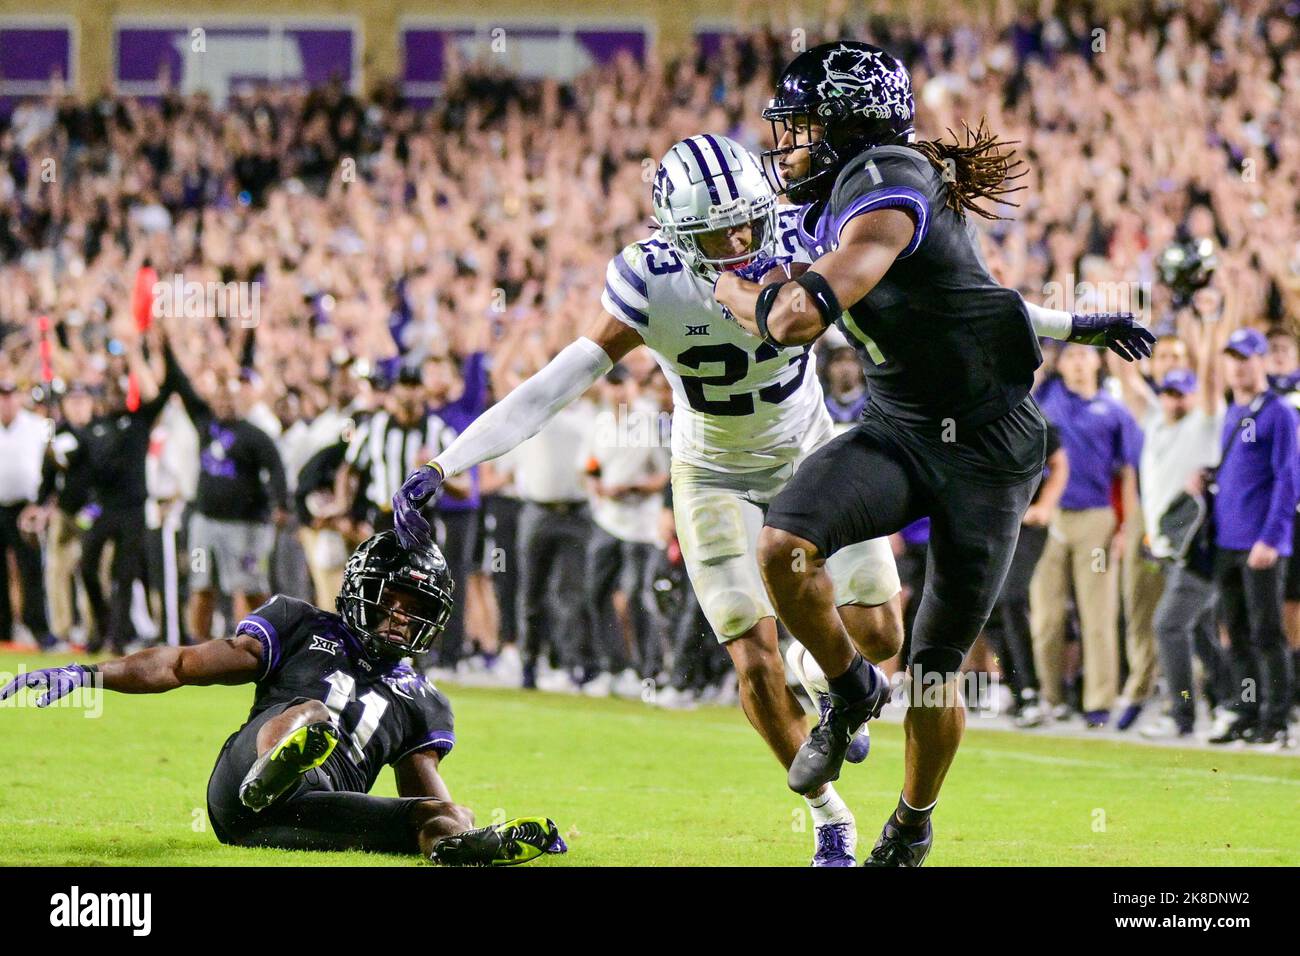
{"type": "Point", "coordinates": [47, 364]}
{"type": "Point", "coordinates": [142, 297]}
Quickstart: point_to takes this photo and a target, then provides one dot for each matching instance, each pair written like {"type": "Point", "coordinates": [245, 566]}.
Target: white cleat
{"type": "Point", "coordinates": [627, 685]}
{"type": "Point", "coordinates": [598, 686]}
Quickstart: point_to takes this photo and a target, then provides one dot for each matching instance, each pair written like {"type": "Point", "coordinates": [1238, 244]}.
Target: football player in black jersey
{"type": "Point", "coordinates": [950, 430]}
{"type": "Point", "coordinates": [336, 699]}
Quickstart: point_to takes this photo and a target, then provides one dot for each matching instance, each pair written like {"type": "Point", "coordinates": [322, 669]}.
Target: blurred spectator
{"type": "Point", "coordinates": [1080, 553]}
{"type": "Point", "coordinates": [66, 496]}
{"type": "Point", "coordinates": [1182, 420]}
{"type": "Point", "coordinates": [1254, 511]}
{"type": "Point", "coordinates": [390, 444]}
{"type": "Point", "coordinates": [241, 492]}
{"type": "Point", "coordinates": [627, 472]}
{"type": "Point", "coordinates": [501, 507]}
{"type": "Point", "coordinates": [456, 522]}
{"type": "Point", "coordinates": [846, 389]}
{"type": "Point", "coordinates": [554, 529]}
{"type": "Point", "coordinates": [23, 439]}
{"type": "Point", "coordinates": [116, 444]}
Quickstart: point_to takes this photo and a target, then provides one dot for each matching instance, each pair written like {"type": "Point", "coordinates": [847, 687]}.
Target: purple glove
{"type": "Point", "coordinates": [759, 266]}
{"type": "Point", "coordinates": [1118, 331]}
{"type": "Point", "coordinates": [420, 486]}
{"type": "Point", "coordinates": [58, 681]}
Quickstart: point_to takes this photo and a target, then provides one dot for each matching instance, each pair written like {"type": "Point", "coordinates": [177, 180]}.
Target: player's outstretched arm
{"type": "Point", "coordinates": [153, 671]}
{"type": "Point", "coordinates": [799, 311]}
{"type": "Point", "coordinates": [235, 660]}
{"type": "Point", "coordinates": [1117, 331]}
{"type": "Point", "coordinates": [513, 420]}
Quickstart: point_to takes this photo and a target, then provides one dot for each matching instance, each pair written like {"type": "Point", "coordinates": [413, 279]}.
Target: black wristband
{"type": "Point", "coordinates": [89, 668]}
{"type": "Point", "coordinates": [828, 306]}
{"type": "Point", "coordinates": [763, 307]}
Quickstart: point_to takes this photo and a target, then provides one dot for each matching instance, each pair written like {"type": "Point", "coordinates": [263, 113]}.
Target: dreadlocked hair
{"type": "Point", "coordinates": [980, 169]}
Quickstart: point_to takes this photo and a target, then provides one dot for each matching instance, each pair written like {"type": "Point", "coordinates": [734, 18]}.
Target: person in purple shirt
{"type": "Point", "coordinates": [1254, 512]}
{"type": "Point", "coordinates": [457, 518]}
{"type": "Point", "coordinates": [1093, 428]}
{"type": "Point", "coordinates": [846, 388]}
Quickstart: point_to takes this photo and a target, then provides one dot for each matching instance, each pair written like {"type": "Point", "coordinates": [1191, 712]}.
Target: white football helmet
{"type": "Point", "coordinates": [707, 183]}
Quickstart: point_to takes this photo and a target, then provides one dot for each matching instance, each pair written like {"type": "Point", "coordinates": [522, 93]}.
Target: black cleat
{"type": "Point", "coordinates": [1240, 729]}
{"type": "Point", "coordinates": [1267, 738]}
{"type": "Point", "coordinates": [280, 767]}
{"type": "Point", "coordinates": [506, 844]}
{"type": "Point", "coordinates": [821, 756]}
{"type": "Point", "coordinates": [895, 848]}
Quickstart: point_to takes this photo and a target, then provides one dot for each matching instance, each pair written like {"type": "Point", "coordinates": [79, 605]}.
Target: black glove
{"type": "Point", "coordinates": [1118, 331]}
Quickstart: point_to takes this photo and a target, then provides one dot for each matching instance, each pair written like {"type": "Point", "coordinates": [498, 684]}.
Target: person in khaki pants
{"type": "Point", "coordinates": [1142, 581]}
{"type": "Point", "coordinates": [65, 493]}
{"type": "Point", "coordinates": [1081, 552]}
{"type": "Point", "coordinates": [62, 560]}
{"type": "Point", "coordinates": [1078, 558]}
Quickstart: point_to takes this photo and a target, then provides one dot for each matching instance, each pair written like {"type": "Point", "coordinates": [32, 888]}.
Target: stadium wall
{"type": "Point", "coordinates": [89, 29]}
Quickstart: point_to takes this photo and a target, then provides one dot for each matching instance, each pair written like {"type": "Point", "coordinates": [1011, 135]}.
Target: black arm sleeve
{"type": "Point", "coordinates": [180, 383]}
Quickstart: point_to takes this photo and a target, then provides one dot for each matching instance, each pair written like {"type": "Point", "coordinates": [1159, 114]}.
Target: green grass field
{"type": "Point", "coordinates": [631, 785]}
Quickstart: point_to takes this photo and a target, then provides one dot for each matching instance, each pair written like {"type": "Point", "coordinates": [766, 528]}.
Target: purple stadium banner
{"type": "Point", "coordinates": [532, 50]}
{"type": "Point", "coordinates": [32, 58]}
{"type": "Point", "coordinates": [708, 42]}
{"type": "Point", "coordinates": [229, 56]}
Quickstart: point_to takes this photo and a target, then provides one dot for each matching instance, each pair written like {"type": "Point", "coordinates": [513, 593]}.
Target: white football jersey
{"type": "Point", "coordinates": [739, 403]}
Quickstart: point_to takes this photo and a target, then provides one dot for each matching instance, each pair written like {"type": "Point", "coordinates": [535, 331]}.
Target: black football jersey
{"type": "Point", "coordinates": [385, 709]}
{"type": "Point", "coordinates": [940, 340]}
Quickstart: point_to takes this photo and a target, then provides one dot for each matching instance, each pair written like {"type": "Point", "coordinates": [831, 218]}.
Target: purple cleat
{"type": "Point", "coordinates": [836, 844]}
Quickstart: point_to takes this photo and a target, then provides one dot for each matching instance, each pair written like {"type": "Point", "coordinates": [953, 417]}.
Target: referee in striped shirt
{"type": "Point", "coordinates": [392, 443]}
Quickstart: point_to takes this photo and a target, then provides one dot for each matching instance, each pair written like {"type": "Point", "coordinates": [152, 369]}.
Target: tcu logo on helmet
{"type": "Point", "coordinates": [870, 86]}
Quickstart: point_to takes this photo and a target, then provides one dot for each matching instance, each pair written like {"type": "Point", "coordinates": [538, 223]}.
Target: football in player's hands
{"type": "Point", "coordinates": [792, 270]}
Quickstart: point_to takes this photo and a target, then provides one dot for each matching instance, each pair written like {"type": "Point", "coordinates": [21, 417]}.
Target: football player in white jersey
{"type": "Point", "coordinates": [745, 414]}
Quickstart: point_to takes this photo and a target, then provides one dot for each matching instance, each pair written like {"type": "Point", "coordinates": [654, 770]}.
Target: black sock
{"type": "Point", "coordinates": [909, 818]}
{"type": "Point", "coordinates": [855, 683]}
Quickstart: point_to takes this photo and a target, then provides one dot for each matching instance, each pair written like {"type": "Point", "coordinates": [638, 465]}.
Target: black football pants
{"type": "Point", "coordinates": [312, 816]}
{"type": "Point", "coordinates": [874, 480]}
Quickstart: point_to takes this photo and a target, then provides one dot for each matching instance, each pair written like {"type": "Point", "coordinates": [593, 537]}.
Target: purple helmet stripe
{"type": "Point", "coordinates": [722, 162]}
{"type": "Point", "coordinates": [704, 169]}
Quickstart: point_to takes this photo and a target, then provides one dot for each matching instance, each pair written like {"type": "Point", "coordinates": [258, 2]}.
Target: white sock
{"type": "Point", "coordinates": [827, 806]}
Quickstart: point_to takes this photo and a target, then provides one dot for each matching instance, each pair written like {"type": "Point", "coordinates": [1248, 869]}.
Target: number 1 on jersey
{"type": "Point", "coordinates": [342, 693]}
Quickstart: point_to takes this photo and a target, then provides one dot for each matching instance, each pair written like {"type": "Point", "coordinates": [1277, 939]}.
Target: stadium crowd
{"type": "Point", "coordinates": [346, 282]}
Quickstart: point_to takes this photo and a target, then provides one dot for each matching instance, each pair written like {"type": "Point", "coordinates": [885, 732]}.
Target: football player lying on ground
{"type": "Point", "coordinates": [950, 430]}
{"type": "Point", "coordinates": [745, 415]}
{"type": "Point", "coordinates": [336, 700]}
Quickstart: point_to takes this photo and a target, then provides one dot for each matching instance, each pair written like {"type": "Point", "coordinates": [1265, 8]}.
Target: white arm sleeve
{"type": "Point", "coordinates": [1052, 323]}
{"type": "Point", "coordinates": [521, 414]}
